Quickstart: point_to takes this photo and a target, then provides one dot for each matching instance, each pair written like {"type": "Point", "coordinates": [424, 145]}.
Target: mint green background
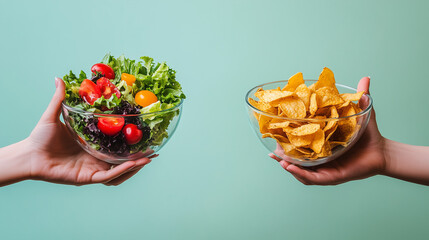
{"type": "Point", "coordinates": [213, 180]}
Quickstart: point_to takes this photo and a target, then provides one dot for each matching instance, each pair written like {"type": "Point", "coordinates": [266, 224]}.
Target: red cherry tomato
{"type": "Point", "coordinates": [107, 88]}
{"type": "Point", "coordinates": [110, 126]}
{"type": "Point", "coordinates": [132, 134]}
{"type": "Point", "coordinates": [104, 69]}
{"type": "Point", "coordinates": [89, 92]}
{"type": "Point", "coordinates": [145, 98]}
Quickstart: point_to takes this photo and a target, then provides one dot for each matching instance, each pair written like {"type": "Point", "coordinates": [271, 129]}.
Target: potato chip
{"type": "Point", "coordinates": [293, 107]}
{"type": "Point", "coordinates": [326, 151]}
{"type": "Point", "coordinates": [300, 141]}
{"type": "Point", "coordinates": [275, 136]}
{"type": "Point", "coordinates": [323, 112]}
{"type": "Point", "coordinates": [281, 140]}
{"type": "Point", "coordinates": [321, 123]}
{"type": "Point", "coordinates": [263, 121]}
{"type": "Point", "coordinates": [318, 141]}
{"type": "Point", "coordinates": [332, 123]}
{"type": "Point", "coordinates": [287, 147]}
{"type": "Point", "coordinates": [351, 96]}
{"type": "Point", "coordinates": [345, 130]}
{"type": "Point", "coordinates": [262, 106]}
{"type": "Point", "coordinates": [313, 104]}
{"type": "Point", "coordinates": [337, 143]}
{"type": "Point", "coordinates": [294, 82]}
{"type": "Point", "coordinates": [277, 131]}
{"type": "Point", "coordinates": [274, 125]}
{"type": "Point", "coordinates": [305, 129]}
{"type": "Point", "coordinates": [304, 150]}
{"type": "Point", "coordinates": [356, 107]}
{"type": "Point", "coordinates": [269, 96]}
{"type": "Point", "coordinates": [330, 131]}
{"type": "Point", "coordinates": [326, 79]}
{"type": "Point", "coordinates": [328, 96]}
{"type": "Point", "coordinates": [303, 93]}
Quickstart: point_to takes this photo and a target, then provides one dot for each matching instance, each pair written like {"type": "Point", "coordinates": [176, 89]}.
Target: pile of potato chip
{"type": "Point", "coordinates": [313, 126]}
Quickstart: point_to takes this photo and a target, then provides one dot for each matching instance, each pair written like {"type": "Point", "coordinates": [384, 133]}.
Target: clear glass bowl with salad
{"type": "Point", "coordinates": [125, 110]}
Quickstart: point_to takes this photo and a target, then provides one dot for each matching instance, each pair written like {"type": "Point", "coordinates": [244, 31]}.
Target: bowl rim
{"type": "Point", "coordinates": [363, 112]}
{"type": "Point", "coordinates": [76, 110]}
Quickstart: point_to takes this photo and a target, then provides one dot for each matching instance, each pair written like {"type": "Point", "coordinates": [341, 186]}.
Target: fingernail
{"type": "Point", "coordinates": [369, 77]}
{"type": "Point", "coordinates": [56, 82]}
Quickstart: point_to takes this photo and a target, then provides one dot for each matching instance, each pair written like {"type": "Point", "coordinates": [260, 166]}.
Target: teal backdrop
{"type": "Point", "coordinates": [214, 180]}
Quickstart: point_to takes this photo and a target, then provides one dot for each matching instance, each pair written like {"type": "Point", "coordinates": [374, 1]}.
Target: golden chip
{"type": "Point", "coordinates": [318, 141]}
{"type": "Point", "coordinates": [321, 123]}
{"type": "Point", "coordinates": [263, 123]}
{"type": "Point", "coordinates": [262, 106]}
{"type": "Point", "coordinates": [328, 96]}
{"type": "Point", "coordinates": [269, 96]}
{"type": "Point", "coordinates": [300, 141]}
{"type": "Point", "coordinates": [351, 96]}
{"type": "Point", "coordinates": [313, 104]}
{"type": "Point", "coordinates": [274, 125]}
{"type": "Point", "coordinates": [337, 143]}
{"type": "Point", "coordinates": [305, 129]}
{"type": "Point", "coordinates": [293, 107]}
{"type": "Point", "coordinates": [326, 79]}
{"type": "Point", "coordinates": [294, 82]}
{"type": "Point", "coordinates": [303, 93]}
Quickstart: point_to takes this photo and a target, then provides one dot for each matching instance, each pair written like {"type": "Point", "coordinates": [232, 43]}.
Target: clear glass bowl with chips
{"type": "Point", "coordinates": [309, 141]}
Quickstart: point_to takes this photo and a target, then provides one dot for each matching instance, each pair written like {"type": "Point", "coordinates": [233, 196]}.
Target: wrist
{"type": "Point", "coordinates": [386, 156]}
{"type": "Point", "coordinates": [15, 163]}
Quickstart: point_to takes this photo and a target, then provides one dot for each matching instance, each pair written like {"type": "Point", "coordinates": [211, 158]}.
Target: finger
{"type": "Point", "coordinates": [312, 177]}
{"type": "Point", "coordinates": [140, 163]}
{"type": "Point", "coordinates": [52, 113]}
{"type": "Point", "coordinates": [285, 164]}
{"type": "Point", "coordinates": [124, 177]}
{"type": "Point", "coordinates": [105, 176]}
{"type": "Point", "coordinates": [271, 155]}
{"type": "Point", "coordinates": [363, 85]}
{"type": "Point", "coordinates": [153, 156]}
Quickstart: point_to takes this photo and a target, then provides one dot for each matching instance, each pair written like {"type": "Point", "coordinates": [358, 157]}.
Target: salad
{"type": "Point", "coordinates": [123, 87]}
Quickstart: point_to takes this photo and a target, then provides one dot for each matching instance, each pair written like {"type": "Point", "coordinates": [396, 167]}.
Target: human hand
{"type": "Point", "coordinates": [363, 160]}
{"type": "Point", "coordinates": [57, 158]}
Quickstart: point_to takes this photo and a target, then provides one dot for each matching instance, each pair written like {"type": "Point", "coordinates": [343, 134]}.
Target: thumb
{"type": "Point", "coordinates": [363, 85]}
{"type": "Point", "coordinates": [52, 113]}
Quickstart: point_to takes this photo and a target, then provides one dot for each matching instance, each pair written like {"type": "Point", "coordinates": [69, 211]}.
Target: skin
{"type": "Point", "coordinates": [372, 155]}
{"type": "Point", "coordinates": [51, 154]}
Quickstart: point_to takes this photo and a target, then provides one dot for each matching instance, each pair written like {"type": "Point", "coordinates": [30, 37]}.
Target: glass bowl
{"type": "Point", "coordinates": [296, 155]}
{"type": "Point", "coordinates": [157, 128]}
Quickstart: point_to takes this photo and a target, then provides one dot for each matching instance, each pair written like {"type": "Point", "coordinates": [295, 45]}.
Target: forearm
{"type": "Point", "coordinates": [407, 162]}
{"type": "Point", "coordinates": [15, 163]}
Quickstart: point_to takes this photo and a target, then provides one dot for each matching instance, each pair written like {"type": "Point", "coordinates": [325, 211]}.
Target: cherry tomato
{"type": "Point", "coordinates": [107, 88]}
{"type": "Point", "coordinates": [129, 78]}
{"type": "Point", "coordinates": [145, 98]}
{"type": "Point", "coordinates": [110, 126]}
{"type": "Point", "coordinates": [89, 92]}
{"type": "Point", "coordinates": [132, 134]}
{"type": "Point", "coordinates": [104, 69]}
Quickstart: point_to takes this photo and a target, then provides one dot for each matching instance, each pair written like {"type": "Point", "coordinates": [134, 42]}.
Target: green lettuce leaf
{"type": "Point", "coordinates": [72, 83]}
{"type": "Point", "coordinates": [109, 103]}
{"type": "Point", "coordinates": [158, 122]}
